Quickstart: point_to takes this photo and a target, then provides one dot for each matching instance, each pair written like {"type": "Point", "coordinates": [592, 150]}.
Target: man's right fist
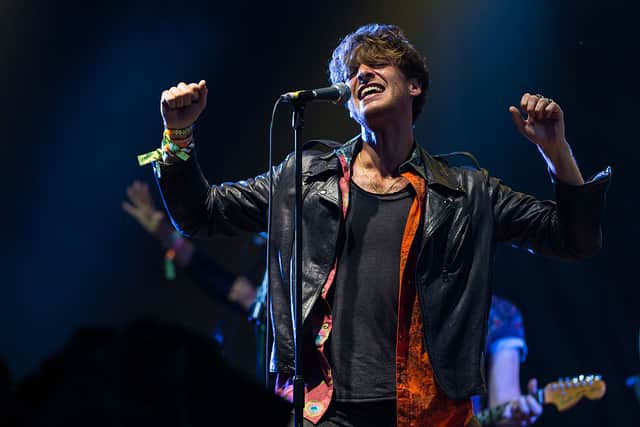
{"type": "Point", "coordinates": [181, 105]}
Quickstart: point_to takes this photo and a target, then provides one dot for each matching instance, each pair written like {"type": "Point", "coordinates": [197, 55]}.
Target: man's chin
{"type": "Point", "coordinates": [373, 115]}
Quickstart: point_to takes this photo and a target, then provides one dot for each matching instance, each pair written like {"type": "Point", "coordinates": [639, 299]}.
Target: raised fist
{"type": "Point", "coordinates": [181, 105]}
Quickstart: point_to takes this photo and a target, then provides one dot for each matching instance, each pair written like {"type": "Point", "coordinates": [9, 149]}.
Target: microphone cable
{"type": "Point", "coordinates": [267, 293]}
{"type": "Point", "coordinates": [466, 154]}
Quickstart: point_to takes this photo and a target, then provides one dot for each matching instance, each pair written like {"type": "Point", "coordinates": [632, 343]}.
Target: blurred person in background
{"type": "Point", "coordinates": [217, 282]}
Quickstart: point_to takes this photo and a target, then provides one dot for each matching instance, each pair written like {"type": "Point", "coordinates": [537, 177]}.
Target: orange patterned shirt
{"type": "Point", "coordinates": [420, 401]}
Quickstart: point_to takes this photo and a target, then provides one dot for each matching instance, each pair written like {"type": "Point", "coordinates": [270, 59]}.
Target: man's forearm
{"type": "Point", "coordinates": [564, 166]}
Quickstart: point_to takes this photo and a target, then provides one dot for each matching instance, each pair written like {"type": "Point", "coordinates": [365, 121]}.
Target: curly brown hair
{"type": "Point", "coordinates": [380, 44]}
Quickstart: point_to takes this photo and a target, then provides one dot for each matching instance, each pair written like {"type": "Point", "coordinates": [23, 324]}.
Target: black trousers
{"type": "Point", "coordinates": [368, 414]}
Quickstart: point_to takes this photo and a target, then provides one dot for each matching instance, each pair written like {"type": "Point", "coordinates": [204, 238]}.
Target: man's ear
{"type": "Point", "coordinates": [415, 88]}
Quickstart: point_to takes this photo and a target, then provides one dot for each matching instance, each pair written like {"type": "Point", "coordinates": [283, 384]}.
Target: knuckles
{"type": "Point", "coordinates": [182, 93]}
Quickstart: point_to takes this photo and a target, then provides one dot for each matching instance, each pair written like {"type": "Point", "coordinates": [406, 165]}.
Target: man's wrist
{"type": "Point", "coordinates": [176, 143]}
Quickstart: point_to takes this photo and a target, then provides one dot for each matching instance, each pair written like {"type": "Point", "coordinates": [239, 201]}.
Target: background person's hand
{"type": "Point", "coordinates": [242, 292]}
{"type": "Point", "coordinates": [525, 410]}
{"type": "Point", "coordinates": [141, 207]}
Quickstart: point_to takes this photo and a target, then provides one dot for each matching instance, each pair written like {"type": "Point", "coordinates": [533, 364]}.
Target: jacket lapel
{"type": "Point", "coordinates": [442, 188]}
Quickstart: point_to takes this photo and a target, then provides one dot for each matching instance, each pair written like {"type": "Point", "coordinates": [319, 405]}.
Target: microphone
{"type": "Point", "coordinates": [339, 93]}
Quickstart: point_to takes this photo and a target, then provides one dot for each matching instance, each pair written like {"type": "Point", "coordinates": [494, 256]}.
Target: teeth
{"type": "Point", "coordinates": [368, 90]}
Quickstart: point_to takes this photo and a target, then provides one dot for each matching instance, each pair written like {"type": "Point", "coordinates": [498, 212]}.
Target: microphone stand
{"type": "Point", "coordinates": [339, 92]}
{"type": "Point", "coordinates": [297, 122]}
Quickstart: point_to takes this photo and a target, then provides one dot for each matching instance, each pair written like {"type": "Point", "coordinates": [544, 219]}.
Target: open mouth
{"type": "Point", "coordinates": [370, 89]}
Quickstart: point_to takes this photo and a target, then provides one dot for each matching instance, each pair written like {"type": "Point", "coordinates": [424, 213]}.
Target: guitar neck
{"type": "Point", "coordinates": [564, 394]}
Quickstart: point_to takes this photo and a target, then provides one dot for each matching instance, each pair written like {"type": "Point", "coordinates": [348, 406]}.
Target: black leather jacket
{"type": "Point", "coordinates": [467, 211]}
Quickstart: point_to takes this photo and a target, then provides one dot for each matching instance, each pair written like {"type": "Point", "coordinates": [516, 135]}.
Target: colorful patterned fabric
{"type": "Point", "coordinates": [505, 328]}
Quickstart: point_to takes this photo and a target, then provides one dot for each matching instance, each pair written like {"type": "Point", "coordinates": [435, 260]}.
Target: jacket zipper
{"type": "Point", "coordinates": [445, 267]}
{"type": "Point", "coordinates": [317, 293]}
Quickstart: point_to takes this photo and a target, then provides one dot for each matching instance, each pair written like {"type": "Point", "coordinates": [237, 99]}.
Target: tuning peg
{"type": "Point", "coordinates": [583, 380]}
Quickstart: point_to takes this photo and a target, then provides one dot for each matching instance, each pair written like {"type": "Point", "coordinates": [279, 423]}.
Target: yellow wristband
{"type": "Point", "coordinates": [179, 133]}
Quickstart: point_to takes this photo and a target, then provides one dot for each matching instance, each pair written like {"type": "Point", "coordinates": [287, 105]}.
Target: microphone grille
{"type": "Point", "coordinates": [345, 92]}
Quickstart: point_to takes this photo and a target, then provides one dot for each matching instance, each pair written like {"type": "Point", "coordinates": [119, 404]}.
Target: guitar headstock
{"type": "Point", "coordinates": [566, 392]}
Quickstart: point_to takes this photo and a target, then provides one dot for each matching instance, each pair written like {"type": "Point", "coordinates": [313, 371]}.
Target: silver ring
{"type": "Point", "coordinates": [544, 99]}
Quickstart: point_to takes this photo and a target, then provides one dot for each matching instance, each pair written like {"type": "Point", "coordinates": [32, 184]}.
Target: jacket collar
{"type": "Point", "coordinates": [434, 171]}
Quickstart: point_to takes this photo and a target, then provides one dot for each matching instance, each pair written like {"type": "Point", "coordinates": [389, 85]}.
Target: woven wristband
{"type": "Point", "coordinates": [169, 146]}
{"type": "Point", "coordinates": [180, 133]}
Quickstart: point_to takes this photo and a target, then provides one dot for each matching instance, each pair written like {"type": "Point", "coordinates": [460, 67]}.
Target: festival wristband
{"type": "Point", "coordinates": [179, 133]}
{"type": "Point", "coordinates": [176, 147]}
{"type": "Point", "coordinates": [169, 266]}
{"type": "Point", "coordinates": [175, 244]}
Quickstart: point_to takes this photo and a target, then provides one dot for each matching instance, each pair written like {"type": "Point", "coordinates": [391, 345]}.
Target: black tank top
{"type": "Point", "coordinates": [362, 343]}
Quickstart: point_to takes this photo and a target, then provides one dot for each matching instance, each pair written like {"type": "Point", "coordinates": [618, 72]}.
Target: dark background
{"type": "Point", "coordinates": [81, 87]}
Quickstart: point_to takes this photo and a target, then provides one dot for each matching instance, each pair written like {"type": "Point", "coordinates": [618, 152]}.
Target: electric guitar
{"type": "Point", "coordinates": [564, 394]}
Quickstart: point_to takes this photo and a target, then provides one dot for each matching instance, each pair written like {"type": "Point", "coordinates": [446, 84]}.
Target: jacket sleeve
{"type": "Point", "coordinates": [200, 210]}
{"type": "Point", "coordinates": [569, 227]}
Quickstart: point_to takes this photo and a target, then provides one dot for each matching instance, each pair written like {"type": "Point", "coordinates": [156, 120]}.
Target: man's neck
{"type": "Point", "coordinates": [387, 149]}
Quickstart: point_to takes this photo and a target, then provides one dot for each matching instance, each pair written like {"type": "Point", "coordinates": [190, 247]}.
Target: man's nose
{"type": "Point", "coordinates": [365, 74]}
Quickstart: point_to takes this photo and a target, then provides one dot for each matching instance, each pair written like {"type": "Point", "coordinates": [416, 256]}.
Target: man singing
{"type": "Point", "coordinates": [397, 246]}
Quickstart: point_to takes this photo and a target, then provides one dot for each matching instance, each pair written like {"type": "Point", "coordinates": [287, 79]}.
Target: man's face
{"type": "Point", "coordinates": [380, 93]}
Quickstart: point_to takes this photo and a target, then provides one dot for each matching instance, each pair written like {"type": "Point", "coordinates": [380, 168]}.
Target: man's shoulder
{"type": "Point", "coordinates": [457, 162]}
{"type": "Point", "coordinates": [461, 167]}
{"type": "Point", "coordinates": [317, 157]}
{"type": "Point", "coordinates": [319, 146]}
{"type": "Point", "coordinates": [312, 151]}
